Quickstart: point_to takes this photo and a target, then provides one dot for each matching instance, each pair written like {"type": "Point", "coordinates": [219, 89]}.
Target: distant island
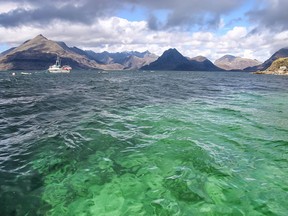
{"type": "Point", "coordinates": [39, 53]}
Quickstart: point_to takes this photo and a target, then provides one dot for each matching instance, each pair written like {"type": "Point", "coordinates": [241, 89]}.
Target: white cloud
{"type": "Point", "coordinates": [281, 36]}
{"type": "Point", "coordinates": [116, 34]}
{"type": "Point", "coordinates": [6, 7]}
{"type": "Point", "coordinates": [236, 33]}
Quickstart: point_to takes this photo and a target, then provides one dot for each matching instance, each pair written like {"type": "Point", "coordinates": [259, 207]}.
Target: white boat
{"type": "Point", "coordinates": [25, 73]}
{"type": "Point", "coordinates": [57, 68]}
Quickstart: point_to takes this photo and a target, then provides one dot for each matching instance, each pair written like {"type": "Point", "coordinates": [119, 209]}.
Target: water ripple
{"type": "Point", "coordinates": [138, 143]}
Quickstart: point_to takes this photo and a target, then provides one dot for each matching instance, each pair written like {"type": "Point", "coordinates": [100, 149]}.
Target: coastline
{"type": "Point", "coordinates": [282, 73]}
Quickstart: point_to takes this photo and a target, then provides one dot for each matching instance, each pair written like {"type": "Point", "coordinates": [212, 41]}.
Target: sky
{"type": "Point", "coordinates": [211, 28]}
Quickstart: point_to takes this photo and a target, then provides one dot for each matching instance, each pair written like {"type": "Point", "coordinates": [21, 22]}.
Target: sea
{"type": "Point", "coordinates": [132, 143]}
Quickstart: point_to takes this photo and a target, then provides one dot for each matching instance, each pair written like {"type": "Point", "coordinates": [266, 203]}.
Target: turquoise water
{"type": "Point", "coordinates": [141, 143]}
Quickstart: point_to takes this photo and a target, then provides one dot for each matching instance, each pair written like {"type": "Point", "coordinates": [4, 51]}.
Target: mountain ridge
{"type": "Point", "coordinates": [39, 53]}
{"type": "Point", "coordinates": [172, 59]}
{"type": "Point", "coordinates": [230, 62]}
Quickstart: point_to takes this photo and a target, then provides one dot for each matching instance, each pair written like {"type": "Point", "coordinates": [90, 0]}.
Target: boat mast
{"type": "Point", "coordinates": [58, 61]}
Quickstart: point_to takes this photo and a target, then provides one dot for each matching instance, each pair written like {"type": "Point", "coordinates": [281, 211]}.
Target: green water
{"type": "Point", "coordinates": [171, 149]}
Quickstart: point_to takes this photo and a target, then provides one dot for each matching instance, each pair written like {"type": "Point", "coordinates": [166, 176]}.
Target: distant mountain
{"type": "Point", "coordinates": [173, 60]}
{"type": "Point", "coordinates": [125, 60]}
{"type": "Point", "coordinates": [133, 58]}
{"type": "Point", "coordinates": [104, 57]}
{"type": "Point", "coordinates": [133, 62]}
{"type": "Point", "coordinates": [39, 53]}
{"type": "Point", "coordinates": [230, 62]}
{"type": "Point", "coordinates": [170, 60]}
{"type": "Point", "coordinates": [282, 53]}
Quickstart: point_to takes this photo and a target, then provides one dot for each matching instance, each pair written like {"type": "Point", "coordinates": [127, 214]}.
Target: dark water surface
{"type": "Point", "coordinates": [142, 143]}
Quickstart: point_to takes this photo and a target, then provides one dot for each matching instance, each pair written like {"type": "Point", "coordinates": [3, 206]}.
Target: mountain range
{"type": "Point", "coordinates": [39, 53]}
{"type": "Point", "coordinates": [171, 59]}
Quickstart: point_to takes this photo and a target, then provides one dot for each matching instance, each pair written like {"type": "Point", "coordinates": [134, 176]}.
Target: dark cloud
{"type": "Point", "coordinates": [153, 23]}
{"type": "Point", "coordinates": [43, 12]}
{"type": "Point", "coordinates": [271, 14]}
{"type": "Point", "coordinates": [40, 16]}
{"type": "Point", "coordinates": [184, 13]}
{"type": "Point", "coordinates": [189, 13]}
{"type": "Point", "coordinates": [202, 22]}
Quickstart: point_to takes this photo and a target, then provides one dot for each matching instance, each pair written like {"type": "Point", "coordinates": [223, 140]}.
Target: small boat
{"type": "Point", "coordinates": [25, 73]}
{"type": "Point", "coordinates": [57, 68]}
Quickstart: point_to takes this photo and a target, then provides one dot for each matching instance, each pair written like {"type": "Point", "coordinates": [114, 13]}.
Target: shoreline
{"type": "Point", "coordinates": [282, 73]}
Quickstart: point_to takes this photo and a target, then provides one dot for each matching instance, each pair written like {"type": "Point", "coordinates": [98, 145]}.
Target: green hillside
{"type": "Point", "coordinates": [279, 65]}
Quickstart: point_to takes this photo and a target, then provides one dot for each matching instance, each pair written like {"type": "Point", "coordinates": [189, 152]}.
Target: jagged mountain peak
{"type": "Point", "coordinates": [36, 40]}
{"type": "Point", "coordinates": [40, 36]}
{"type": "Point", "coordinates": [172, 51]}
{"type": "Point", "coordinates": [173, 54]}
{"type": "Point", "coordinates": [39, 44]}
{"type": "Point", "coordinates": [147, 52]}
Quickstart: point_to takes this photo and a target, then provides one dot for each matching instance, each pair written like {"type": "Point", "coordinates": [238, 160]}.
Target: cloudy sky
{"type": "Point", "coordinates": [212, 28]}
